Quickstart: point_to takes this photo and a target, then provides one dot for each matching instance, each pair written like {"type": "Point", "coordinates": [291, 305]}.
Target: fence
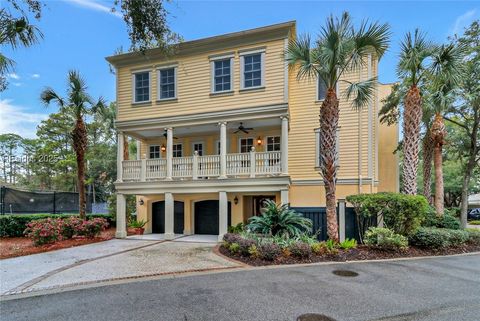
{"type": "Point", "coordinates": [318, 215]}
{"type": "Point", "coordinates": [14, 201]}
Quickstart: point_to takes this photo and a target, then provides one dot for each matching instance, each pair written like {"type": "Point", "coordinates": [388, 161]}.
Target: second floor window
{"type": "Point", "coordinates": [177, 150]}
{"type": "Point", "coordinates": [273, 143]}
{"type": "Point", "coordinates": [322, 89]}
{"type": "Point", "coordinates": [166, 83]}
{"type": "Point", "coordinates": [154, 151]}
{"type": "Point", "coordinates": [141, 82]}
{"type": "Point", "coordinates": [222, 80]}
{"type": "Point", "coordinates": [252, 70]}
{"type": "Point", "coordinates": [246, 145]}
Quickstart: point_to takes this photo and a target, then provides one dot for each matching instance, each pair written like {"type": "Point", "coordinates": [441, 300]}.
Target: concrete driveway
{"type": "Point", "coordinates": [110, 260]}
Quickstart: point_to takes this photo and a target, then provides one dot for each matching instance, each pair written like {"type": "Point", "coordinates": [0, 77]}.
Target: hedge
{"type": "Point", "coordinates": [14, 225]}
{"type": "Point", "coordinates": [401, 213]}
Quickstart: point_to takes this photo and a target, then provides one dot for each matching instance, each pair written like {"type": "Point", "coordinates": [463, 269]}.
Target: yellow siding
{"type": "Point", "coordinates": [194, 82]}
{"type": "Point", "coordinates": [314, 195]}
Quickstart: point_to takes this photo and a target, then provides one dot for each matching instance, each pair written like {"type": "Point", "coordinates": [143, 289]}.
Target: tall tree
{"type": "Point", "coordinates": [340, 48]}
{"type": "Point", "coordinates": [81, 104]}
{"type": "Point", "coordinates": [465, 113]}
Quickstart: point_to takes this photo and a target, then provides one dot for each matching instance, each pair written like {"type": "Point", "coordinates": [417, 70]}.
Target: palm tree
{"type": "Point", "coordinates": [448, 70]}
{"type": "Point", "coordinates": [340, 49]}
{"type": "Point", "coordinates": [78, 102]}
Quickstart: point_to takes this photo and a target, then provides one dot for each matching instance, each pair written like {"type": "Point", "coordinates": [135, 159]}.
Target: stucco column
{"type": "Point", "coordinates": [121, 231]}
{"type": "Point", "coordinates": [284, 145]}
{"type": "Point", "coordinates": [284, 196]}
{"type": "Point", "coordinates": [169, 235]}
{"type": "Point", "coordinates": [223, 149]}
{"type": "Point", "coordinates": [119, 156]}
{"type": "Point", "coordinates": [223, 215]}
{"type": "Point", "coordinates": [169, 153]}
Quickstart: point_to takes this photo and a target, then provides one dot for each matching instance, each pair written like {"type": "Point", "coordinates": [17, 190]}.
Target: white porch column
{"type": "Point", "coordinates": [139, 147]}
{"type": "Point", "coordinates": [119, 156]}
{"type": "Point", "coordinates": [223, 215]}
{"type": "Point", "coordinates": [169, 235]}
{"type": "Point", "coordinates": [169, 153]}
{"type": "Point", "coordinates": [341, 219]}
{"type": "Point", "coordinates": [284, 145]}
{"type": "Point", "coordinates": [121, 232]}
{"type": "Point", "coordinates": [284, 196]}
{"type": "Point", "coordinates": [223, 150]}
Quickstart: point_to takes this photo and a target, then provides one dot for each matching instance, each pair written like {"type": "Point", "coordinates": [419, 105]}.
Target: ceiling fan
{"type": "Point", "coordinates": [165, 135]}
{"type": "Point", "coordinates": [242, 129]}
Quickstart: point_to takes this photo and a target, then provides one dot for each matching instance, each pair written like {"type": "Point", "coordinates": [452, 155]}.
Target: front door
{"type": "Point", "coordinates": [258, 203]}
{"type": "Point", "coordinates": [158, 217]}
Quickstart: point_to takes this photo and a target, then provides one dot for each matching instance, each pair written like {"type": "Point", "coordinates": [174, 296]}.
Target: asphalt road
{"type": "Point", "coordinates": [427, 289]}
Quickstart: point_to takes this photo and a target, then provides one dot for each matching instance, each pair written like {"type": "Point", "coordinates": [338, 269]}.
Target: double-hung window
{"type": "Point", "coordinates": [141, 87]}
{"type": "Point", "coordinates": [321, 89]}
{"type": "Point", "coordinates": [246, 145]}
{"type": "Point", "coordinates": [154, 151]}
{"type": "Point", "coordinates": [167, 83]}
{"type": "Point", "coordinates": [273, 143]}
{"type": "Point", "coordinates": [222, 75]}
{"type": "Point", "coordinates": [177, 150]}
{"type": "Point", "coordinates": [252, 70]}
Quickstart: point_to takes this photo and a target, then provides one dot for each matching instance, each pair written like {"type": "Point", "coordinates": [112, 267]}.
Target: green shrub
{"type": "Point", "coordinates": [476, 222]}
{"type": "Point", "coordinates": [279, 220]}
{"type": "Point", "coordinates": [318, 247]}
{"type": "Point", "coordinates": [234, 248]}
{"type": "Point", "coordinates": [348, 244]}
{"type": "Point", "coordinates": [253, 251]}
{"type": "Point", "coordinates": [229, 238]}
{"type": "Point", "coordinates": [473, 235]}
{"type": "Point", "coordinates": [245, 245]}
{"type": "Point", "coordinates": [301, 250]}
{"type": "Point", "coordinates": [14, 225]}
{"type": "Point", "coordinates": [401, 213]}
{"type": "Point", "coordinates": [385, 239]}
{"type": "Point", "coordinates": [269, 251]}
{"type": "Point", "coordinates": [447, 220]}
{"type": "Point", "coordinates": [237, 229]}
{"type": "Point", "coordinates": [436, 238]}
{"type": "Point", "coordinates": [137, 224]}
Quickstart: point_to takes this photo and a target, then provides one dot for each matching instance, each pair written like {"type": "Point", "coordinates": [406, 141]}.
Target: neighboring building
{"type": "Point", "coordinates": [223, 124]}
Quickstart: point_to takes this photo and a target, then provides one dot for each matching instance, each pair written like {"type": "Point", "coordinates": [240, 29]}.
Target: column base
{"type": "Point", "coordinates": [120, 234]}
{"type": "Point", "coordinates": [222, 177]}
{"type": "Point", "coordinates": [220, 237]}
{"type": "Point", "coordinates": [168, 179]}
{"type": "Point", "coordinates": [169, 236]}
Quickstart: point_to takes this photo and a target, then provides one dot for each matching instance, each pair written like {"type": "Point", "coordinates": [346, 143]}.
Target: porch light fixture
{"type": "Point", "coordinates": [163, 148]}
{"type": "Point", "coordinates": [235, 200]}
{"type": "Point", "coordinates": [259, 141]}
{"type": "Point", "coordinates": [141, 201]}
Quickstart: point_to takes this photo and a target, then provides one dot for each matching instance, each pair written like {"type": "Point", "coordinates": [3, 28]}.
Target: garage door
{"type": "Point", "coordinates": [158, 217]}
{"type": "Point", "coordinates": [206, 217]}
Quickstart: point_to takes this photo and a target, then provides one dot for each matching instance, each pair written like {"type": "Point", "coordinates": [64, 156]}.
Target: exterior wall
{"type": "Point", "coordinates": [144, 212]}
{"type": "Point", "coordinates": [314, 195]}
{"type": "Point", "coordinates": [388, 163]}
{"type": "Point", "coordinates": [194, 81]}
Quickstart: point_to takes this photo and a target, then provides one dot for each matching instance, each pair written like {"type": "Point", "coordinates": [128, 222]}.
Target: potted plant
{"type": "Point", "coordinates": [138, 226]}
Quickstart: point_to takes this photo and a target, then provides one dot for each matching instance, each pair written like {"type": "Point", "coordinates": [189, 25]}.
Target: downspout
{"type": "Point", "coordinates": [370, 128]}
{"type": "Point", "coordinates": [360, 179]}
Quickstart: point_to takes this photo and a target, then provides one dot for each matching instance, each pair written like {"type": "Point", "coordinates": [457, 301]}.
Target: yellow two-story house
{"type": "Point", "coordinates": [223, 124]}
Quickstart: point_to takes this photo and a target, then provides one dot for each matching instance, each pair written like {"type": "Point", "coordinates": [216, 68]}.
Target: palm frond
{"type": "Point", "coordinates": [48, 95]}
{"type": "Point", "coordinates": [18, 32]}
{"type": "Point", "coordinates": [414, 51]}
{"type": "Point", "coordinates": [360, 93]}
{"type": "Point", "coordinates": [299, 55]}
{"type": "Point", "coordinates": [447, 64]}
{"type": "Point", "coordinates": [390, 111]}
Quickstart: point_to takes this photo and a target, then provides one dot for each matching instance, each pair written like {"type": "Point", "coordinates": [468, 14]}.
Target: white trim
{"type": "Point", "coordinates": [272, 136]}
{"type": "Point", "coordinates": [149, 71]}
{"type": "Point", "coordinates": [221, 56]}
{"type": "Point", "coordinates": [262, 68]}
{"type": "Point", "coordinates": [240, 143]}
{"type": "Point", "coordinates": [159, 149]}
{"type": "Point", "coordinates": [212, 74]}
{"type": "Point", "coordinates": [285, 74]}
{"type": "Point", "coordinates": [174, 67]}
{"type": "Point", "coordinates": [370, 123]}
{"type": "Point", "coordinates": [317, 147]}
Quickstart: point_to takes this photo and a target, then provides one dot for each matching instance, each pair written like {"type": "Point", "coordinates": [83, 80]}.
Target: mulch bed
{"type": "Point", "coordinates": [358, 254]}
{"type": "Point", "coordinates": [19, 246]}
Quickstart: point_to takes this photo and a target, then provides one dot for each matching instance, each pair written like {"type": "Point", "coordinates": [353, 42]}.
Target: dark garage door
{"type": "Point", "coordinates": [206, 217]}
{"type": "Point", "coordinates": [158, 217]}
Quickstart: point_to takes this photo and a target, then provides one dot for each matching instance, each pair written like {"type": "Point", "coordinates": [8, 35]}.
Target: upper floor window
{"type": "Point", "coordinates": [246, 145]}
{"type": "Point", "coordinates": [322, 89]}
{"type": "Point", "coordinates": [252, 72]}
{"type": "Point", "coordinates": [177, 150]}
{"type": "Point", "coordinates": [141, 85]}
{"type": "Point", "coordinates": [222, 75]}
{"type": "Point", "coordinates": [167, 83]}
{"type": "Point", "coordinates": [198, 147]}
{"type": "Point", "coordinates": [273, 143]}
{"type": "Point", "coordinates": [154, 151]}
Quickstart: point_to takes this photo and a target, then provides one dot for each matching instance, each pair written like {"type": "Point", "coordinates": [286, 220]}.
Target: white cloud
{"type": "Point", "coordinates": [35, 76]}
{"type": "Point", "coordinates": [13, 76]}
{"type": "Point", "coordinates": [15, 119]}
{"type": "Point", "coordinates": [17, 84]}
{"type": "Point", "coordinates": [93, 5]}
{"type": "Point", "coordinates": [463, 21]}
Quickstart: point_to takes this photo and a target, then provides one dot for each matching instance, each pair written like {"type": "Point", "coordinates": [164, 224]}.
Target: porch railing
{"type": "Point", "coordinates": [252, 164]}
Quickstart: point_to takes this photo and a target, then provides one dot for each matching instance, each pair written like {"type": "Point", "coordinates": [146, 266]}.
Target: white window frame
{"type": "Point", "coordinates": [181, 148]}
{"type": "Point", "coordinates": [317, 93]}
{"type": "Point", "coordinates": [262, 68]}
{"type": "Point", "coordinates": [240, 143]}
{"type": "Point", "coordinates": [159, 151]}
{"type": "Point", "coordinates": [203, 147]}
{"type": "Point", "coordinates": [317, 146]}
{"type": "Point", "coordinates": [212, 73]}
{"type": "Point", "coordinates": [134, 95]}
{"type": "Point", "coordinates": [175, 82]}
{"type": "Point", "coordinates": [279, 143]}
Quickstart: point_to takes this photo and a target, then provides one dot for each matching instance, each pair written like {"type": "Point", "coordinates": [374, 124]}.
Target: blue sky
{"type": "Point", "coordinates": [78, 34]}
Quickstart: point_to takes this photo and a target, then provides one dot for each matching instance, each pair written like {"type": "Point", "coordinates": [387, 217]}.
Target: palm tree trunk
{"type": "Point", "coordinates": [126, 153]}
{"type": "Point", "coordinates": [79, 135]}
{"type": "Point", "coordinates": [427, 166]}
{"type": "Point", "coordinates": [329, 115]}
{"type": "Point", "coordinates": [438, 133]}
{"type": "Point", "coordinates": [412, 117]}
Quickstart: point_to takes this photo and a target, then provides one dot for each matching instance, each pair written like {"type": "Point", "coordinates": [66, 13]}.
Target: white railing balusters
{"type": "Point", "coordinates": [182, 167]}
{"type": "Point", "coordinates": [156, 169]}
{"type": "Point", "coordinates": [131, 170]}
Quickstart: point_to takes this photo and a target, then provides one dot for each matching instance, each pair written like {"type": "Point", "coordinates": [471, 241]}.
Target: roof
{"type": "Point", "coordinates": [250, 36]}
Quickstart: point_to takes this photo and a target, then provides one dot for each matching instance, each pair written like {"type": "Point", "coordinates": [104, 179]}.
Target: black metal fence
{"type": "Point", "coordinates": [318, 215]}
{"type": "Point", "coordinates": [14, 201]}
